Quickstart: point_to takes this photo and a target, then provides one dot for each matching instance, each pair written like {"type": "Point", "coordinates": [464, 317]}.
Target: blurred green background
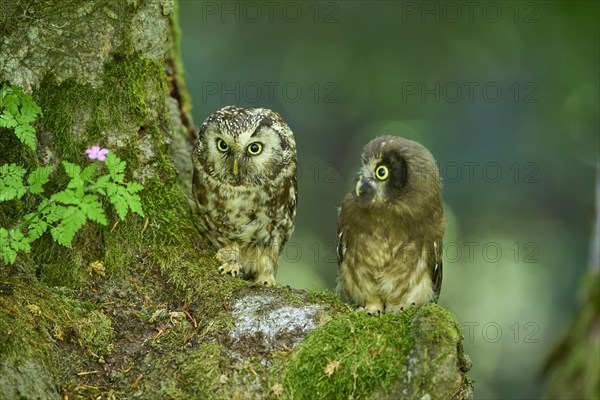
{"type": "Point", "coordinates": [504, 94]}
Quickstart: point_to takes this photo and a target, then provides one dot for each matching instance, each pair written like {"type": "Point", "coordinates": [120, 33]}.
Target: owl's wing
{"type": "Point", "coordinates": [293, 200]}
{"type": "Point", "coordinates": [436, 269]}
{"type": "Point", "coordinates": [288, 199]}
{"type": "Point", "coordinates": [340, 246]}
{"type": "Point", "coordinates": [340, 243]}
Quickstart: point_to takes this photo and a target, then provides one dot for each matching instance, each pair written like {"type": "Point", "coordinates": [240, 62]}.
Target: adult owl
{"type": "Point", "coordinates": [391, 227]}
{"type": "Point", "coordinates": [244, 189]}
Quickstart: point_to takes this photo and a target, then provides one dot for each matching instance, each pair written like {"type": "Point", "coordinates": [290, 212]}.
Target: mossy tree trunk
{"type": "Point", "coordinates": [137, 309]}
{"type": "Point", "coordinates": [573, 365]}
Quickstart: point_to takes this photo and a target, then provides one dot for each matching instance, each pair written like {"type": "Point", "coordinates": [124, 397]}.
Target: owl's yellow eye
{"type": "Point", "coordinates": [382, 172]}
{"type": "Point", "coordinates": [255, 148]}
{"type": "Point", "coordinates": [222, 146]}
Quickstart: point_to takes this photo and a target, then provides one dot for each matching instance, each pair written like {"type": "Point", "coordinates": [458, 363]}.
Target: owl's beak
{"type": "Point", "coordinates": [363, 187]}
{"type": "Point", "coordinates": [235, 167]}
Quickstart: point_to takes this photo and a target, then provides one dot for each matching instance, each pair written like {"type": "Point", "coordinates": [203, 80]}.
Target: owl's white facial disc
{"type": "Point", "coordinates": [245, 148]}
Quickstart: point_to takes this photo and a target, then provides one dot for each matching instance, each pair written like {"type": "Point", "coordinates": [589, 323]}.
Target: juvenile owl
{"type": "Point", "coordinates": [391, 227]}
{"type": "Point", "coordinates": [244, 189]}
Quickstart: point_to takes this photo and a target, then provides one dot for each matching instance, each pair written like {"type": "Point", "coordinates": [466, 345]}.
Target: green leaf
{"type": "Point", "coordinates": [39, 220]}
{"type": "Point", "coordinates": [18, 241]}
{"type": "Point", "coordinates": [36, 228]}
{"type": "Point", "coordinates": [19, 111]}
{"type": "Point", "coordinates": [92, 208]}
{"type": "Point", "coordinates": [73, 218]}
{"type": "Point", "coordinates": [11, 242]}
{"type": "Point", "coordinates": [8, 120]}
{"type": "Point", "coordinates": [26, 135]}
{"type": "Point", "coordinates": [67, 196]}
{"type": "Point", "coordinates": [11, 99]}
{"type": "Point", "coordinates": [134, 187]}
{"type": "Point", "coordinates": [38, 178]}
{"type": "Point", "coordinates": [134, 201]}
{"type": "Point", "coordinates": [16, 234]}
{"type": "Point", "coordinates": [7, 253]}
{"type": "Point", "coordinates": [135, 204]}
{"type": "Point", "coordinates": [117, 194]}
{"type": "Point", "coordinates": [11, 182]}
{"type": "Point", "coordinates": [116, 167]}
{"type": "Point", "coordinates": [53, 213]}
{"type": "Point", "coordinates": [88, 172]}
{"type": "Point", "coordinates": [72, 170]}
{"type": "Point", "coordinates": [101, 183]}
{"type": "Point", "coordinates": [29, 107]}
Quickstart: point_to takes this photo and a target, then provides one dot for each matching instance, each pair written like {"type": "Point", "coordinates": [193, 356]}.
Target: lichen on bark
{"type": "Point", "coordinates": [162, 323]}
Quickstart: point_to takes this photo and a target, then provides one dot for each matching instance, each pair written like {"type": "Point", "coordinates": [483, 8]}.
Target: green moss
{"type": "Point", "coordinates": [437, 357]}
{"type": "Point", "coordinates": [61, 272]}
{"type": "Point", "coordinates": [326, 297]}
{"type": "Point", "coordinates": [95, 333]}
{"type": "Point", "coordinates": [184, 96]}
{"type": "Point", "coordinates": [33, 320]}
{"type": "Point", "coordinates": [137, 85]}
{"type": "Point", "coordinates": [348, 357]}
{"type": "Point", "coordinates": [201, 371]}
{"type": "Point", "coordinates": [117, 256]}
{"type": "Point", "coordinates": [131, 86]}
{"type": "Point", "coordinates": [13, 150]}
{"type": "Point", "coordinates": [9, 17]}
{"type": "Point", "coordinates": [61, 102]}
{"type": "Point", "coordinates": [189, 374]}
{"type": "Point", "coordinates": [195, 273]}
{"type": "Point", "coordinates": [437, 325]}
{"type": "Point", "coordinates": [165, 207]}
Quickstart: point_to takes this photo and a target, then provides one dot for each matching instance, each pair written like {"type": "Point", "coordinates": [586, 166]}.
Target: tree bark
{"type": "Point", "coordinates": [159, 321]}
{"type": "Point", "coordinates": [573, 366]}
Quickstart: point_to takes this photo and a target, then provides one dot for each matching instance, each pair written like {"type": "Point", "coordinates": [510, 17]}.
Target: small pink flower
{"type": "Point", "coordinates": [97, 152]}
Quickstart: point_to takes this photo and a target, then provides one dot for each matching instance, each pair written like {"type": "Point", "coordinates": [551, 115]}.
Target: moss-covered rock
{"type": "Point", "coordinates": [407, 355]}
{"type": "Point", "coordinates": [27, 379]}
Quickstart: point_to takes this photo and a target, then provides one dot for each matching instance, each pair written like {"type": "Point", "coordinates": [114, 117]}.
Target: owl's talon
{"type": "Point", "coordinates": [267, 281]}
{"type": "Point", "coordinates": [230, 268]}
{"type": "Point", "coordinates": [373, 310]}
{"type": "Point", "coordinates": [395, 308]}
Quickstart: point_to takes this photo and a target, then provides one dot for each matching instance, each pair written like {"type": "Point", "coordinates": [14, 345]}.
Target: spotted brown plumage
{"type": "Point", "coordinates": [391, 228]}
{"type": "Point", "coordinates": [244, 189]}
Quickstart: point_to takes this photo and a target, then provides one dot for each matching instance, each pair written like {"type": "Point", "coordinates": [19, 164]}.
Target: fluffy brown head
{"type": "Point", "coordinates": [245, 146]}
{"type": "Point", "coordinates": [400, 174]}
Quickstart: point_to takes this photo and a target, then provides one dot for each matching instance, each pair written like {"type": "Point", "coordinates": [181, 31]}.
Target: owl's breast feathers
{"type": "Point", "coordinates": [247, 215]}
{"type": "Point", "coordinates": [393, 254]}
